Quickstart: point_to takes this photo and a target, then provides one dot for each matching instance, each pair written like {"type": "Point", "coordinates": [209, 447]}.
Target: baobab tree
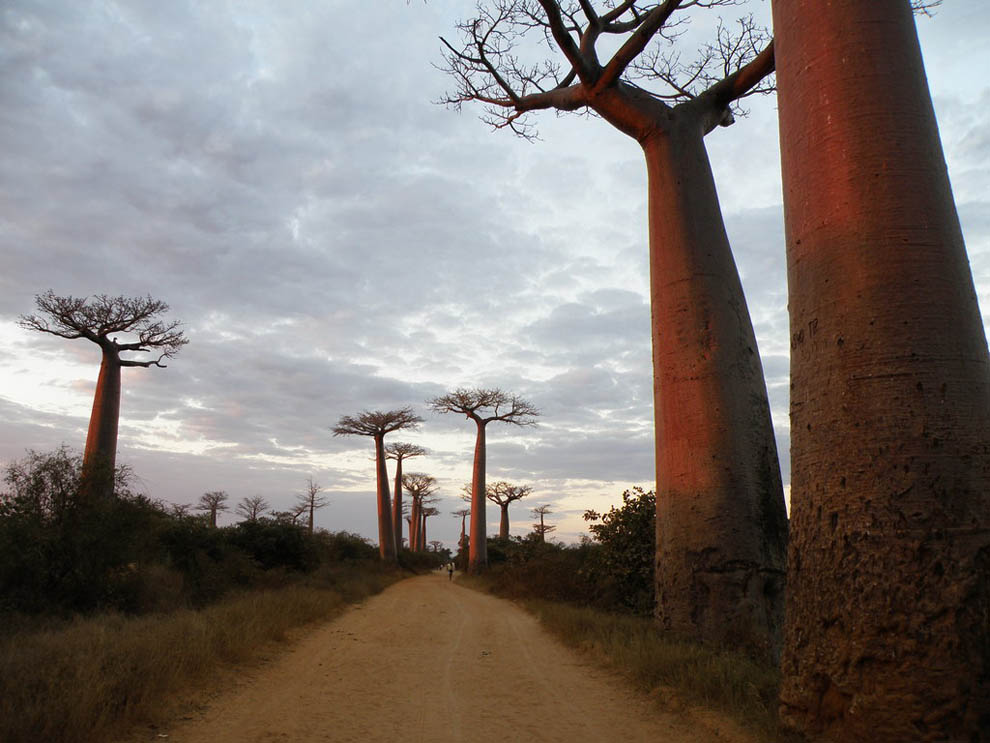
{"type": "Point", "coordinates": [252, 508]}
{"type": "Point", "coordinates": [887, 636]}
{"type": "Point", "coordinates": [400, 451]}
{"type": "Point", "coordinates": [502, 493]}
{"type": "Point", "coordinates": [212, 503]}
{"type": "Point", "coordinates": [721, 521]}
{"type": "Point", "coordinates": [422, 489]}
{"type": "Point", "coordinates": [540, 528]}
{"type": "Point", "coordinates": [462, 514]}
{"type": "Point", "coordinates": [310, 500]}
{"type": "Point", "coordinates": [100, 319]}
{"type": "Point", "coordinates": [376, 425]}
{"type": "Point", "coordinates": [483, 406]}
{"type": "Point", "coordinates": [425, 513]}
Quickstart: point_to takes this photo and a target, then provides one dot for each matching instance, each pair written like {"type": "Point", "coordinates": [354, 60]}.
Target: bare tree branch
{"type": "Point", "coordinates": [96, 318]}
{"type": "Point", "coordinates": [377, 423]}
{"type": "Point", "coordinates": [500, 406]}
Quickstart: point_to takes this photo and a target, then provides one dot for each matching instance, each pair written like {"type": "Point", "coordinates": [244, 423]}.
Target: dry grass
{"type": "Point", "coordinates": [93, 677]}
{"type": "Point", "coordinates": [685, 673]}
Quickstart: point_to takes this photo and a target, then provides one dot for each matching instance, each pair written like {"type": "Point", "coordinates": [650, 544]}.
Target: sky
{"type": "Point", "coordinates": [333, 241]}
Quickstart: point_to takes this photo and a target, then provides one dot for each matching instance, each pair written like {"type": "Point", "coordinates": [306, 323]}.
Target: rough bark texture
{"type": "Point", "coordinates": [721, 523]}
{"type": "Point", "coordinates": [478, 548]}
{"type": "Point", "coordinates": [887, 636]}
{"type": "Point", "coordinates": [100, 455]}
{"type": "Point", "coordinates": [386, 535]}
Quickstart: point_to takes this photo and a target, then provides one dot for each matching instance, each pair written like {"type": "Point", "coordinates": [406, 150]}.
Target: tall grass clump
{"type": "Point", "coordinates": [94, 676]}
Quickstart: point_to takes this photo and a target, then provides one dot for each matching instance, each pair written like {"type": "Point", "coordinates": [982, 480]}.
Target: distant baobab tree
{"type": "Point", "coordinates": [541, 529]}
{"type": "Point", "coordinates": [502, 494]}
{"type": "Point", "coordinates": [212, 503]}
{"type": "Point", "coordinates": [483, 406]}
{"type": "Point", "coordinates": [252, 508]}
{"type": "Point", "coordinates": [310, 500]}
{"type": "Point", "coordinates": [425, 513]}
{"type": "Point", "coordinates": [376, 425]}
{"type": "Point", "coordinates": [722, 525]}
{"type": "Point", "coordinates": [400, 451]}
{"type": "Point", "coordinates": [462, 514]}
{"type": "Point", "coordinates": [422, 489]}
{"type": "Point", "coordinates": [436, 545]}
{"type": "Point", "coordinates": [99, 319]}
{"type": "Point", "coordinates": [887, 635]}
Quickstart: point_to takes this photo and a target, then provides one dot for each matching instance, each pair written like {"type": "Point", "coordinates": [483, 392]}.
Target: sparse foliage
{"type": "Point", "coordinates": [310, 501]}
{"type": "Point", "coordinates": [483, 405]}
{"type": "Point", "coordinates": [253, 508]}
{"type": "Point", "coordinates": [399, 452]}
{"type": "Point", "coordinates": [502, 494]}
{"type": "Point", "coordinates": [377, 424]}
{"type": "Point", "coordinates": [540, 528]}
{"type": "Point", "coordinates": [212, 503]}
{"type": "Point", "coordinates": [97, 319]}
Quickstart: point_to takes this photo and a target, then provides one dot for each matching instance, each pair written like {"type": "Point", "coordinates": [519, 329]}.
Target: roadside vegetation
{"type": "Point", "coordinates": [109, 607]}
{"type": "Point", "coordinates": [597, 596]}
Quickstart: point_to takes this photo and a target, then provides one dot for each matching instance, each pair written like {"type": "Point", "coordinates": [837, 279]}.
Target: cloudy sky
{"type": "Point", "coordinates": [334, 241]}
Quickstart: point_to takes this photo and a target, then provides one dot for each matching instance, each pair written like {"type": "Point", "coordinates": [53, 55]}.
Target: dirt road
{"type": "Point", "coordinates": [428, 661]}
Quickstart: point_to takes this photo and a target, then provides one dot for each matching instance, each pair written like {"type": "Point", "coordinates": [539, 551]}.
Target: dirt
{"type": "Point", "coordinates": [428, 660]}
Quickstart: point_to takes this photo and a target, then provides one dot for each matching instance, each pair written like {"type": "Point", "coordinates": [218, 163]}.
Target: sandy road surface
{"type": "Point", "coordinates": [430, 661]}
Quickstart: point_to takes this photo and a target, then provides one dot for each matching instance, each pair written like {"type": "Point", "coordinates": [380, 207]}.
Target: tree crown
{"type": "Point", "coordinates": [420, 486]}
{"type": "Point", "coordinates": [491, 62]}
{"type": "Point", "coordinates": [504, 493]}
{"type": "Point", "coordinates": [97, 318]}
{"type": "Point", "coordinates": [376, 423]}
{"type": "Point", "coordinates": [214, 500]}
{"type": "Point", "coordinates": [401, 450]}
{"type": "Point", "coordinates": [486, 405]}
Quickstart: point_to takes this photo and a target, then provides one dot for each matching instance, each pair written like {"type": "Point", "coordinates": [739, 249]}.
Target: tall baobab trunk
{"type": "Point", "coordinates": [887, 633]}
{"type": "Point", "coordinates": [397, 506]}
{"type": "Point", "coordinates": [503, 524]}
{"type": "Point", "coordinates": [386, 535]}
{"type": "Point", "coordinates": [100, 455]}
{"type": "Point", "coordinates": [422, 534]}
{"type": "Point", "coordinates": [721, 522]}
{"type": "Point", "coordinates": [478, 548]}
{"type": "Point", "coordinates": [414, 524]}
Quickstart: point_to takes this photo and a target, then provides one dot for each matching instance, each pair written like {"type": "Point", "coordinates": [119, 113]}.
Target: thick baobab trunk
{"type": "Point", "coordinates": [386, 535]}
{"type": "Point", "coordinates": [721, 521]}
{"type": "Point", "coordinates": [503, 524]}
{"type": "Point", "coordinates": [422, 535]}
{"type": "Point", "coordinates": [414, 524]}
{"type": "Point", "coordinates": [887, 633]}
{"type": "Point", "coordinates": [478, 548]}
{"type": "Point", "coordinates": [100, 455]}
{"type": "Point", "coordinates": [397, 505]}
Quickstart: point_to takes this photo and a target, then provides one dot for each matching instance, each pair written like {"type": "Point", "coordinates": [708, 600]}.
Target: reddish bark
{"type": "Point", "coordinates": [722, 526]}
{"type": "Point", "coordinates": [100, 454]}
{"type": "Point", "coordinates": [503, 524]}
{"type": "Point", "coordinates": [386, 534]}
{"type": "Point", "coordinates": [478, 546]}
{"type": "Point", "coordinates": [887, 635]}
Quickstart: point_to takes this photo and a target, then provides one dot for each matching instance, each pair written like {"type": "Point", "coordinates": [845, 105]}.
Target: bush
{"type": "Point", "coordinates": [62, 554]}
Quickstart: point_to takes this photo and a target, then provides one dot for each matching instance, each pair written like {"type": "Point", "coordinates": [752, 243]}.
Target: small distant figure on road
{"type": "Point", "coordinates": [450, 571]}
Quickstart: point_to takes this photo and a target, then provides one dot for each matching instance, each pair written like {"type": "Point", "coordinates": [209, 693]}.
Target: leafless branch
{"type": "Point", "coordinates": [97, 318]}
{"type": "Point", "coordinates": [486, 405]}
{"type": "Point", "coordinates": [377, 423]}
